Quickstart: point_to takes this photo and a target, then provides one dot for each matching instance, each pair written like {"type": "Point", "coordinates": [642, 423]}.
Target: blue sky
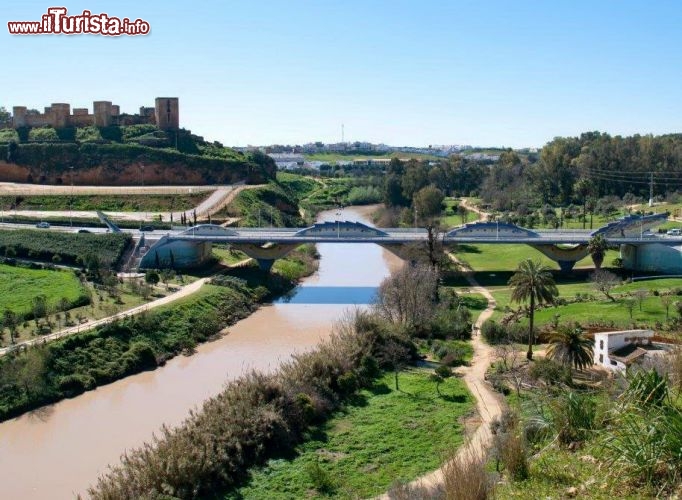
{"type": "Point", "coordinates": [504, 73]}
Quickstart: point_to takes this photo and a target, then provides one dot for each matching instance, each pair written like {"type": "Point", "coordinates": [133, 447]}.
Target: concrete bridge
{"type": "Point", "coordinates": [192, 246]}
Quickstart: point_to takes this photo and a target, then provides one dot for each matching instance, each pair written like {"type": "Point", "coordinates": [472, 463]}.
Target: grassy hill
{"type": "Point", "coordinates": [125, 155]}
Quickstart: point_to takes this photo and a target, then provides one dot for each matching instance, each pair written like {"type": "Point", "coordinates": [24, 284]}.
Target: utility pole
{"type": "Point", "coordinates": [651, 190]}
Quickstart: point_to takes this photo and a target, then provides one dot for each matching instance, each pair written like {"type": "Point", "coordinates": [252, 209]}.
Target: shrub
{"type": "Point", "coordinates": [573, 416]}
{"type": "Point", "coordinates": [550, 372]}
{"type": "Point", "coordinates": [494, 333]}
{"type": "Point", "coordinates": [321, 479]}
{"type": "Point", "coordinates": [465, 477]}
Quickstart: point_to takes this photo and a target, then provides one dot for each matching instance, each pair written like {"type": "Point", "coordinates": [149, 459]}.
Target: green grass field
{"type": "Point", "coordinates": [601, 309]}
{"type": "Point", "coordinates": [336, 157]}
{"type": "Point", "coordinates": [228, 256]}
{"type": "Point", "coordinates": [130, 203]}
{"type": "Point", "coordinates": [18, 287]}
{"type": "Point", "coordinates": [506, 257]}
{"type": "Point", "coordinates": [382, 436]}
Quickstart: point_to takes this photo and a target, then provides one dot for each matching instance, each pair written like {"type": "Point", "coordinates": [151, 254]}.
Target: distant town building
{"type": "Point", "coordinates": [288, 161]}
{"type": "Point", "coordinates": [165, 114]}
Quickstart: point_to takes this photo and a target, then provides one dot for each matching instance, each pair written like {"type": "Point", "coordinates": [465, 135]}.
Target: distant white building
{"type": "Point", "coordinates": [287, 161]}
{"type": "Point", "coordinates": [618, 350]}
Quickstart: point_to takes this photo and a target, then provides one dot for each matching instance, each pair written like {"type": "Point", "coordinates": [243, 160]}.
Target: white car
{"type": "Point", "coordinates": [43, 225]}
{"type": "Point", "coordinates": [674, 232]}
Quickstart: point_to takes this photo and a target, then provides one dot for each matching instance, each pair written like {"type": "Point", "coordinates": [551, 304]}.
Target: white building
{"type": "Point", "coordinates": [618, 350]}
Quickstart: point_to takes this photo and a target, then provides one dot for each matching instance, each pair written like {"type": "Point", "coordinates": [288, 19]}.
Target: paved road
{"type": "Point", "coordinates": [15, 189]}
{"type": "Point", "coordinates": [220, 197]}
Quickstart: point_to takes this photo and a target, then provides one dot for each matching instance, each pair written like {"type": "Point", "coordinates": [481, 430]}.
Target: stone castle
{"type": "Point", "coordinates": [165, 114]}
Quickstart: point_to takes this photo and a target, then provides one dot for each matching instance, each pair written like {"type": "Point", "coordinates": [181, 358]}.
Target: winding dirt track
{"type": "Point", "coordinates": [489, 404]}
{"type": "Point", "coordinates": [219, 197]}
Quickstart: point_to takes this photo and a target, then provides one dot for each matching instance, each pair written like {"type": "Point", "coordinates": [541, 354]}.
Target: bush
{"type": "Point", "coordinates": [550, 372]}
{"type": "Point", "coordinates": [494, 333]}
{"type": "Point", "coordinates": [573, 417]}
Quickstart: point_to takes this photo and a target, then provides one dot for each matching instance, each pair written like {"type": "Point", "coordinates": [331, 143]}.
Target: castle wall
{"type": "Point", "coordinates": [102, 112]}
{"type": "Point", "coordinates": [81, 120]}
{"type": "Point", "coordinates": [165, 115]}
{"type": "Point", "coordinates": [167, 111]}
{"type": "Point", "coordinates": [19, 116]}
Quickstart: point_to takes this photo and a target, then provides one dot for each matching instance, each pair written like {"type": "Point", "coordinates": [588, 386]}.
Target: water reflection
{"type": "Point", "coordinates": [355, 295]}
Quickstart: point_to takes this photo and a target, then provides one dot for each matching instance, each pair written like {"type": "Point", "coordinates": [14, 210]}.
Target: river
{"type": "Point", "coordinates": [57, 452]}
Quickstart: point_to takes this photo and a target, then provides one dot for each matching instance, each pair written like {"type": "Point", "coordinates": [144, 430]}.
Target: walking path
{"type": "Point", "coordinates": [489, 404]}
{"type": "Point", "coordinates": [466, 204]}
{"type": "Point", "coordinates": [220, 196]}
{"type": "Point", "coordinates": [185, 291]}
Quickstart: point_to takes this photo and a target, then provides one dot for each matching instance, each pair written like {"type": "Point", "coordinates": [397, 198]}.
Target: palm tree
{"type": "Point", "coordinates": [532, 282]}
{"type": "Point", "coordinates": [597, 248]}
{"type": "Point", "coordinates": [570, 346]}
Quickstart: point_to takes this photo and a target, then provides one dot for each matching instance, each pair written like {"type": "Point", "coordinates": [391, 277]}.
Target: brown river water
{"type": "Point", "coordinates": [57, 452]}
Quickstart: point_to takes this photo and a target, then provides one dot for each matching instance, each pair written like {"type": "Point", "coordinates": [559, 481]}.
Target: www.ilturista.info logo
{"type": "Point", "coordinates": [57, 22]}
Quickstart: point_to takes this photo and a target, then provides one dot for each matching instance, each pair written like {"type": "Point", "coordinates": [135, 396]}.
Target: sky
{"type": "Point", "coordinates": [419, 72]}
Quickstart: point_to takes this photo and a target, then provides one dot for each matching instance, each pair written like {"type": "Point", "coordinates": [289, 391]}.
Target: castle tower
{"type": "Point", "coordinates": [167, 111]}
{"type": "Point", "coordinates": [60, 114]}
{"type": "Point", "coordinates": [19, 116]}
{"type": "Point", "coordinates": [102, 112]}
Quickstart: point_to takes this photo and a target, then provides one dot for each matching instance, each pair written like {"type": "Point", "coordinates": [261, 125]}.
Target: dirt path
{"type": "Point", "coordinates": [489, 404]}
{"type": "Point", "coordinates": [466, 204]}
{"type": "Point", "coordinates": [16, 189]}
{"type": "Point", "coordinates": [220, 197]}
{"type": "Point", "coordinates": [185, 291]}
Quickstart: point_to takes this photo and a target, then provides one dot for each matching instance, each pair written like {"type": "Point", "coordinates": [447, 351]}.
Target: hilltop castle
{"type": "Point", "coordinates": [165, 114]}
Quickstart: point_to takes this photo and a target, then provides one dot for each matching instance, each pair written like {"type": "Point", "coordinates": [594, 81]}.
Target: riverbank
{"type": "Point", "coordinates": [72, 442]}
{"type": "Point", "coordinates": [44, 374]}
{"type": "Point", "coordinates": [379, 437]}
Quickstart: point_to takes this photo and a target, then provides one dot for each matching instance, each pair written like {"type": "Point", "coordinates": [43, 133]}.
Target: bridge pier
{"type": "Point", "coordinates": [566, 266]}
{"type": "Point", "coordinates": [565, 257]}
{"type": "Point", "coordinates": [265, 264]}
{"type": "Point", "coordinates": [265, 255]}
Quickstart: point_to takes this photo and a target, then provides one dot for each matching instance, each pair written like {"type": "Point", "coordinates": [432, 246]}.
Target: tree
{"type": "Point", "coordinates": [597, 247]}
{"type": "Point", "coordinates": [640, 295]}
{"type": "Point", "coordinates": [463, 213]}
{"type": "Point", "coordinates": [166, 275]}
{"type": "Point", "coordinates": [428, 201]}
{"type": "Point", "coordinates": [603, 281]}
{"type": "Point", "coordinates": [397, 355]}
{"type": "Point", "coordinates": [151, 277]}
{"type": "Point", "coordinates": [532, 282]}
{"type": "Point", "coordinates": [439, 375]}
{"type": "Point", "coordinates": [39, 306]}
{"type": "Point", "coordinates": [584, 188]}
{"type": "Point", "coordinates": [406, 297]}
{"type": "Point", "coordinates": [570, 346]}
{"type": "Point", "coordinates": [5, 116]}
{"type": "Point", "coordinates": [629, 304]}
{"type": "Point", "coordinates": [11, 322]}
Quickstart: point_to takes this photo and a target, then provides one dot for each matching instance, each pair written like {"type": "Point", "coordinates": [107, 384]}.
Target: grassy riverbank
{"type": "Point", "coordinates": [382, 435]}
{"type": "Point", "coordinates": [33, 377]}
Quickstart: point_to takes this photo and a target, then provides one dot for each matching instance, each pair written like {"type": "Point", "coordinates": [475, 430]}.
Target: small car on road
{"type": "Point", "coordinates": [43, 225]}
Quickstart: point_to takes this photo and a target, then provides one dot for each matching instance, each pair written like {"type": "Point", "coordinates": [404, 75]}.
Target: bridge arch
{"type": "Point", "coordinates": [488, 229]}
{"type": "Point", "coordinates": [345, 228]}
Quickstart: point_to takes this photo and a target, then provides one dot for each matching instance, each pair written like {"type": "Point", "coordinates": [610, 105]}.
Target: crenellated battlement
{"type": "Point", "coordinates": [165, 114]}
